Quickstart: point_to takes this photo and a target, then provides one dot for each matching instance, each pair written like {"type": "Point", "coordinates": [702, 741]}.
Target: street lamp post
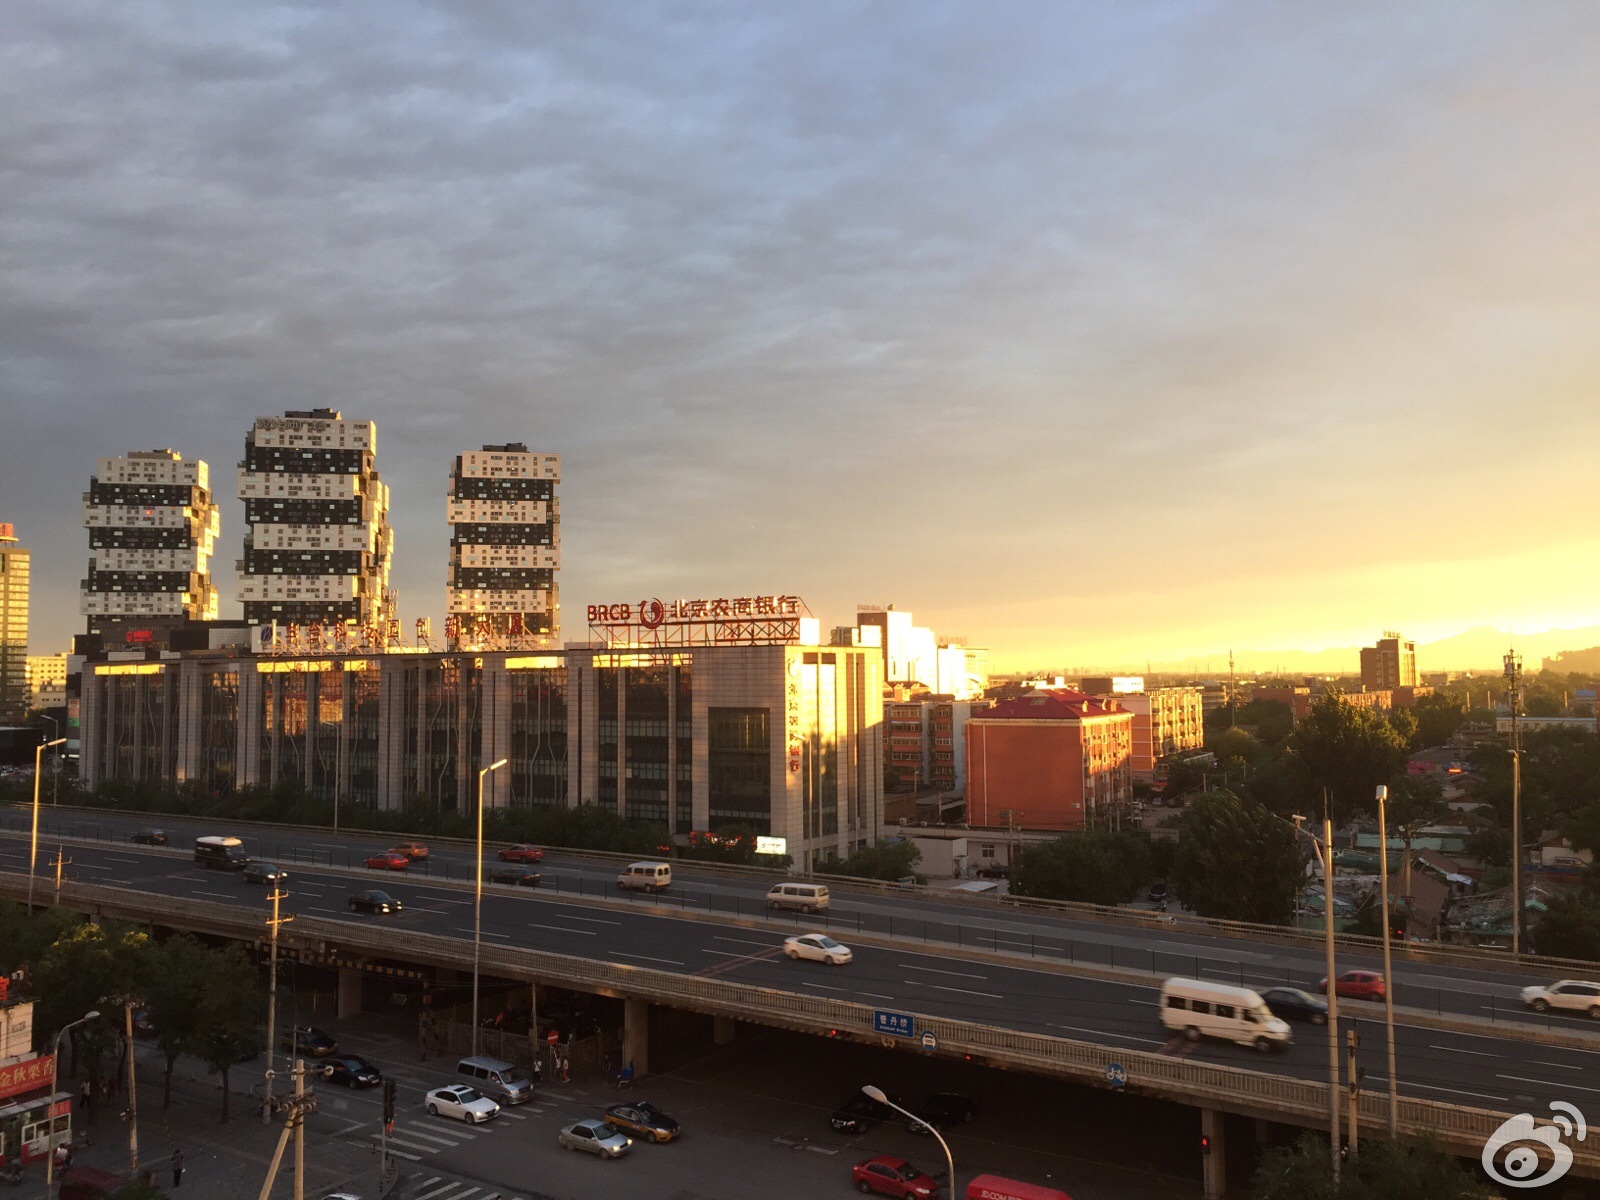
{"type": "Point", "coordinates": [33, 851]}
{"type": "Point", "coordinates": [55, 773]}
{"type": "Point", "coordinates": [1324, 847]}
{"type": "Point", "coordinates": [477, 903]}
{"type": "Point", "coordinates": [55, 1072]}
{"type": "Point", "coordinates": [876, 1093]}
{"type": "Point", "coordinates": [1388, 965]}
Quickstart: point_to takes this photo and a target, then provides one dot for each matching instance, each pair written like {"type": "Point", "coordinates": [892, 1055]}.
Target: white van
{"type": "Point", "coordinates": [498, 1079]}
{"type": "Point", "coordinates": [1200, 1009]}
{"type": "Point", "coordinates": [646, 876]}
{"type": "Point", "coordinates": [220, 853]}
{"type": "Point", "coordinates": [807, 897]}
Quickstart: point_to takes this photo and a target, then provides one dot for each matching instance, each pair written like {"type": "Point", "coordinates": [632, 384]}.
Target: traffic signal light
{"type": "Point", "coordinates": [388, 1106]}
{"type": "Point", "coordinates": [1205, 1144]}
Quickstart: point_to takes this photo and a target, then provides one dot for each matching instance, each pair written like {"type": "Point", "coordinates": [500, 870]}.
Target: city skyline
{"type": "Point", "coordinates": [1138, 336]}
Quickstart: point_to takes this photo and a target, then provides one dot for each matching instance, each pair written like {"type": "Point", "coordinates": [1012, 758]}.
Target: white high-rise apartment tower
{"type": "Point", "coordinates": [152, 525]}
{"type": "Point", "coordinates": [505, 546]}
{"type": "Point", "coordinates": [319, 544]}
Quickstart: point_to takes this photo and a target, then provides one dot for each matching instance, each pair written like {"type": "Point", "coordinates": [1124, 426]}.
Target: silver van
{"type": "Point", "coordinates": [497, 1079]}
{"type": "Point", "coordinates": [807, 897]}
{"type": "Point", "coordinates": [645, 876]}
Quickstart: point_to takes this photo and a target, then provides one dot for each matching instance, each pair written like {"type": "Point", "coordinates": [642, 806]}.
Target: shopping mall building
{"type": "Point", "coordinates": [691, 713]}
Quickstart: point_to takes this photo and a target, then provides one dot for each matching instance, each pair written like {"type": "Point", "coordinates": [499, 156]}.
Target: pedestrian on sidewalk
{"type": "Point", "coordinates": [566, 1069]}
{"type": "Point", "coordinates": [177, 1168]}
{"type": "Point", "coordinates": [86, 1098]}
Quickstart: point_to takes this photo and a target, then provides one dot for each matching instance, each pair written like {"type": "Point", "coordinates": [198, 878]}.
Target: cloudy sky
{"type": "Point", "coordinates": [1095, 333]}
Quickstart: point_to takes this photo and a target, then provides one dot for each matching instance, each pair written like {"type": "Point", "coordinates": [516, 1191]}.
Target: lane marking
{"type": "Point", "coordinates": [401, 1153]}
{"type": "Point", "coordinates": [1454, 1091]}
{"type": "Point", "coordinates": [937, 971]}
{"type": "Point", "coordinates": [939, 987]}
{"type": "Point", "coordinates": [646, 958]}
{"type": "Point", "coordinates": [739, 941]}
{"type": "Point", "coordinates": [591, 920]}
{"type": "Point", "coordinates": [1464, 1050]}
{"type": "Point", "coordinates": [215, 895]}
{"type": "Point", "coordinates": [1546, 1083]}
{"type": "Point", "coordinates": [1108, 1033]}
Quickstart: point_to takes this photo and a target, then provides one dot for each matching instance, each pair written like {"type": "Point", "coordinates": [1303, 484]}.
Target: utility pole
{"type": "Point", "coordinates": [278, 894]}
{"type": "Point", "coordinates": [1513, 671]}
{"type": "Point", "coordinates": [61, 861]}
{"type": "Point", "coordinates": [1353, 1073]}
{"type": "Point", "coordinates": [1333, 987]}
{"type": "Point", "coordinates": [296, 1109]}
{"type": "Point", "coordinates": [1388, 964]}
{"type": "Point", "coordinates": [133, 1095]}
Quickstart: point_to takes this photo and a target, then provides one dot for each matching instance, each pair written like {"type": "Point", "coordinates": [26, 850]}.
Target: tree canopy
{"type": "Point", "coordinates": [1349, 750]}
{"type": "Point", "coordinates": [1096, 866]}
{"type": "Point", "coordinates": [881, 860]}
{"type": "Point", "coordinates": [1236, 860]}
{"type": "Point", "coordinates": [1415, 1168]}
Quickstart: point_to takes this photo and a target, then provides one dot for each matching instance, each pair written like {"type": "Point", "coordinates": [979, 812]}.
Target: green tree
{"type": "Point", "coordinates": [1413, 1168]}
{"type": "Point", "coordinates": [175, 991]}
{"type": "Point", "coordinates": [1095, 867]}
{"type": "Point", "coordinates": [1438, 719]}
{"type": "Point", "coordinates": [1237, 861]}
{"type": "Point", "coordinates": [1570, 924]}
{"type": "Point", "coordinates": [881, 860]}
{"type": "Point", "coordinates": [1349, 750]}
{"type": "Point", "coordinates": [226, 1032]}
{"type": "Point", "coordinates": [1236, 747]}
{"type": "Point", "coordinates": [1272, 720]}
{"type": "Point", "coordinates": [88, 969]}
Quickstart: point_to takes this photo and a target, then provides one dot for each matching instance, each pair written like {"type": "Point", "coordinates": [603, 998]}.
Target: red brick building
{"type": "Point", "coordinates": [1053, 759]}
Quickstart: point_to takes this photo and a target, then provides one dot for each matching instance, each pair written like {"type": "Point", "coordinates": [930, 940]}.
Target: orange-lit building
{"type": "Point", "coordinates": [1166, 721]}
{"type": "Point", "coordinates": [1051, 760]}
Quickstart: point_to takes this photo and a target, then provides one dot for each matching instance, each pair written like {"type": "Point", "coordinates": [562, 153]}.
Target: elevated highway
{"type": "Point", "coordinates": [1044, 1015]}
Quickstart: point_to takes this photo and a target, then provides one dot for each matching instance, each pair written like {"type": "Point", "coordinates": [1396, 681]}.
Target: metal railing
{"type": "Point", "coordinates": [1277, 1097]}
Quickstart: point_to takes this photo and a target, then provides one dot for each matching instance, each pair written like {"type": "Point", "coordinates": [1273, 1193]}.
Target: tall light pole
{"type": "Point", "coordinates": [477, 903]}
{"type": "Point", "coordinates": [877, 1094]}
{"type": "Point", "coordinates": [55, 774]}
{"type": "Point", "coordinates": [1513, 671]}
{"type": "Point", "coordinates": [33, 851]}
{"type": "Point", "coordinates": [55, 1071]}
{"type": "Point", "coordinates": [1388, 965]}
{"type": "Point", "coordinates": [1325, 854]}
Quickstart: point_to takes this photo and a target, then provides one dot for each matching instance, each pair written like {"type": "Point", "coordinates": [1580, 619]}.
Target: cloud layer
{"type": "Point", "coordinates": [1093, 333]}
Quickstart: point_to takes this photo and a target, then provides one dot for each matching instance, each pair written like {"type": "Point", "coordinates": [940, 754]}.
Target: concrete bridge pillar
{"type": "Point", "coordinates": [1213, 1166]}
{"type": "Point", "coordinates": [349, 993]}
{"type": "Point", "coordinates": [722, 1030]}
{"type": "Point", "coordinates": [535, 1042]}
{"type": "Point", "coordinates": [636, 1035]}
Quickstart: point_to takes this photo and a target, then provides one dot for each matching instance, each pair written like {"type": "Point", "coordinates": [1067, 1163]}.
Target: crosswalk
{"type": "Point", "coordinates": [439, 1188]}
{"type": "Point", "coordinates": [416, 1137]}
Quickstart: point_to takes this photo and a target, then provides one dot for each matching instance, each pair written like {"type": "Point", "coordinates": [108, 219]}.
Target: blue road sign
{"type": "Point", "coordinates": [898, 1024]}
{"type": "Point", "coordinates": [1116, 1074]}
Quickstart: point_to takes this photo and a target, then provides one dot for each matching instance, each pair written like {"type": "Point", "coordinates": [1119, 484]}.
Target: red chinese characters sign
{"type": "Point", "coordinates": [740, 620]}
{"type": "Point", "coordinates": [29, 1075]}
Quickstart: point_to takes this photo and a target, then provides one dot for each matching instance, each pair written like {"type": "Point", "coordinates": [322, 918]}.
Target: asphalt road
{"type": "Point", "coordinates": [916, 917]}
{"type": "Point", "coordinates": [1479, 1071]}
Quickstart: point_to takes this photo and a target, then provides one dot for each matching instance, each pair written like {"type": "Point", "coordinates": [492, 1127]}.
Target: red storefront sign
{"type": "Point", "coordinates": [29, 1075]}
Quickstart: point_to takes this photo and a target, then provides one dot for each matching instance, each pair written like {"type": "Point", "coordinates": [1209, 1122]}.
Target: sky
{"type": "Point", "coordinates": [1091, 333]}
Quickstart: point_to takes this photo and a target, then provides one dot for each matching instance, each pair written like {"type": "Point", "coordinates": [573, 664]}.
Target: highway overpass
{"type": "Point", "coordinates": [1458, 1075]}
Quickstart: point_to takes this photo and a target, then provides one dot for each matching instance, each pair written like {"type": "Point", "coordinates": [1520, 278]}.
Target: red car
{"type": "Point", "coordinates": [1358, 985]}
{"type": "Point", "coordinates": [891, 1176]}
{"type": "Point", "coordinates": [523, 853]}
{"type": "Point", "coordinates": [389, 860]}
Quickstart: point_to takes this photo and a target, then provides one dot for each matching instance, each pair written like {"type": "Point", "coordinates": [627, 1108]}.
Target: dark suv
{"type": "Point", "coordinates": [860, 1112]}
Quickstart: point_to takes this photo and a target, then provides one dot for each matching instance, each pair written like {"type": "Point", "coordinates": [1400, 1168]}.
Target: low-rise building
{"type": "Point", "coordinates": [1166, 721]}
{"type": "Point", "coordinates": [1055, 759]}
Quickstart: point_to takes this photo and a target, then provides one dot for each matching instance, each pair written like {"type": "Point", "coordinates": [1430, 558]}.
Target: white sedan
{"type": "Point", "coordinates": [818, 946]}
{"type": "Point", "coordinates": [464, 1103]}
{"type": "Point", "coordinates": [1573, 995]}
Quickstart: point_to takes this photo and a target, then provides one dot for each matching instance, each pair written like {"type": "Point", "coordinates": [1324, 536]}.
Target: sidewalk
{"type": "Point", "coordinates": [220, 1161]}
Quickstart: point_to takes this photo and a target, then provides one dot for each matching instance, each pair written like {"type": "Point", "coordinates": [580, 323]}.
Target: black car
{"type": "Point", "coordinates": [942, 1110]}
{"type": "Point", "coordinates": [264, 872]}
{"type": "Point", "coordinates": [514, 873]}
{"type": "Point", "coordinates": [308, 1039]}
{"type": "Point", "coordinates": [991, 871]}
{"type": "Point", "coordinates": [1294, 1005]}
{"type": "Point", "coordinates": [1158, 891]}
{"type": "Point", "coordinates": [374, 900]}
{"type": "Point", "coordinates": [353, 1071]}
{"type": "Point", "coordinates": [860, 1112]}
{"type": "Point", "coordinates": [151, 837]}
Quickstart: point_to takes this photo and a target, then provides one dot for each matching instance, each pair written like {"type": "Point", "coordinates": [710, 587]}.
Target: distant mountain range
{"type": "Point", "coordinates": [1480, 648]}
